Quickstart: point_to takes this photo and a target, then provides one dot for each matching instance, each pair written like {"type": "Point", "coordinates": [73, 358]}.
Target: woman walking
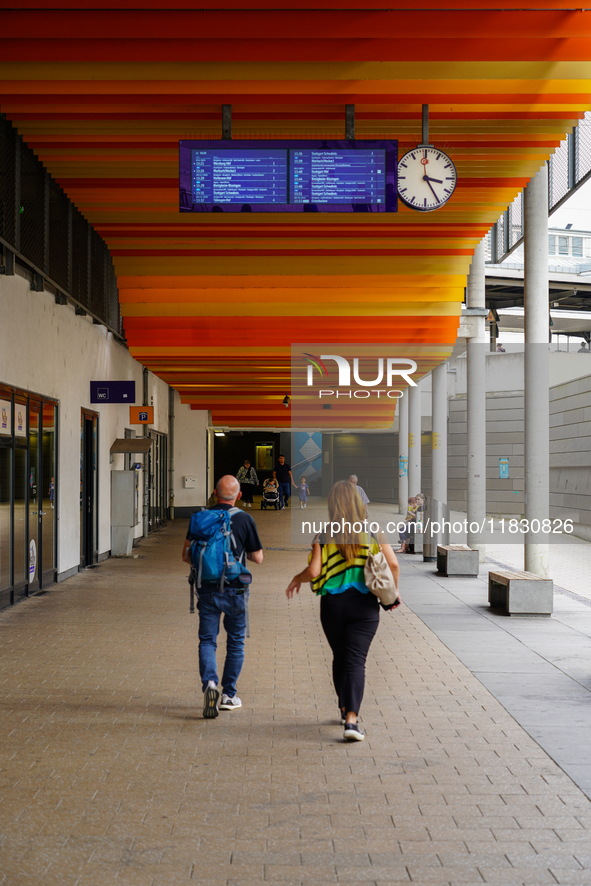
{"type": "Point", "coordinates": [247, 477]}
{"type": "Point", "coordinates": [349, 612]}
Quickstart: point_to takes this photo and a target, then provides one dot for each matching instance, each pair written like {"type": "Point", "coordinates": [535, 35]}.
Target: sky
{"type": "Point", "coordinates": [576, 211]}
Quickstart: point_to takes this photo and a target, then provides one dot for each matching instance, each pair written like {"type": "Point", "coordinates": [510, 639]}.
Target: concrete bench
{"type": "Point", "coordinates": [457, 560]}
{"type": "Point", "coordinates": [520, 593]}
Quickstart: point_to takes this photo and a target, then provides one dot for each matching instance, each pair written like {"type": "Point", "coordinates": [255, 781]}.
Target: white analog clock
{"type": "Point", "coordinates": [426, 178]}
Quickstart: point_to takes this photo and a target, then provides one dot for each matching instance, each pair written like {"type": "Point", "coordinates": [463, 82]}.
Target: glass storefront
{"type": "Point", "coordinates": [28, 494]}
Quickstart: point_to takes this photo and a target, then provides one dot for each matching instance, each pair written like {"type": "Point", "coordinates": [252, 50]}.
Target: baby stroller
{"type": "Point", "coordinates": [270, 498]}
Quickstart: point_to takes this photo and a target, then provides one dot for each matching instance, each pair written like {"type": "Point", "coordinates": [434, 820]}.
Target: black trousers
{"type": "Point", "coordinates": [247, 490]}
{"type": "Point", "coordinates": [350, 621]}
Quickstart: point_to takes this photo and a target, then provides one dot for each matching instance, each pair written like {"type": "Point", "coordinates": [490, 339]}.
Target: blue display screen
{"type": "Point", "coordinates": [333, 176]}
{"type": "Point", "coordinates": [288, 176]}
{"type": "Point", "coordinates": [239, 176]}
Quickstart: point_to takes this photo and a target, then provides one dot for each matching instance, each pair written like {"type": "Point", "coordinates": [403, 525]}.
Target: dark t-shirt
{"type": "Point", "coordinates": [282, 472]}
{"type": "Point", "coordinates": [244, 530]}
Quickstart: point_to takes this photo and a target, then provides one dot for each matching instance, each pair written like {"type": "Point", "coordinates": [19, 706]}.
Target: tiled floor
{"type": "Point", "coordinates": [109, 774]}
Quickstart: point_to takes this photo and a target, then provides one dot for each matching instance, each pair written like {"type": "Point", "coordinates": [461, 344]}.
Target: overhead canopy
{"type": "Point", "coordinates": [104, 90]}
{"type": "Point", "coordinates": [131, 444]}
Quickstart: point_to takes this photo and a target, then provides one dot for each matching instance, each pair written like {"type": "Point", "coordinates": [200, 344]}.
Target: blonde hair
{"type": "Point", "coordinates": [345, 506]}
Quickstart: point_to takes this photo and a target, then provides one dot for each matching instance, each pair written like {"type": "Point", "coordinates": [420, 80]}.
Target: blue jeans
{"type": "Point", "coordinates": [284, 490]}
{"type": "Point", "coordinates": [211, 606]}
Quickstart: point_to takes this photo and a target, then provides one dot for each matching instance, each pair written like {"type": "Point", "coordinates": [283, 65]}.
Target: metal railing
{"type": "Point", "coordinates": [41, 228]}
{"type": "Point", "coordinates": [568, 168]}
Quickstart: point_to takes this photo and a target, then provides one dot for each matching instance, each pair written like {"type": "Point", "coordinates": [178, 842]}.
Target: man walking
{"type": "Point", "coordinates": [362, 492]}
{"type": "Point", "coordinates": [282, 474]}
{"type": "Point", "coordinates": [231, 601]}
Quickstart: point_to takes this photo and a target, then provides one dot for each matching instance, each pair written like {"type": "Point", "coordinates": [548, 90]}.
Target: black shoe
{"type": "Point", "coordinates": [210, 702]}
{"type": "Point", "coordinates": [353, 732]}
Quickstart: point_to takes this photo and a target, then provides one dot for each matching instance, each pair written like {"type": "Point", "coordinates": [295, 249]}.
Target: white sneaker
{"type": "Point", "coordinates": [249, 505]}
{"type": "Point", "coordinates": [229, 704]}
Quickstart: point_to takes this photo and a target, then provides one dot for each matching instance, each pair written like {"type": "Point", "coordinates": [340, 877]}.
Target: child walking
{"type": "Point", "coordinates": [304, 492]}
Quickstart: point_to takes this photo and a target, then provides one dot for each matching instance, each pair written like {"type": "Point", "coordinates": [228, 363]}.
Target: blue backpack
{"type": "Point", "coordinates": [213, 549]}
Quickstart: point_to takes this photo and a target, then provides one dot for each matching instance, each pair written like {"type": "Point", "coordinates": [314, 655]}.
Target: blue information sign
{"type": "Point", "coordinates": [503, 468]}
{"type": "Point", "coordinates": [112, 392]}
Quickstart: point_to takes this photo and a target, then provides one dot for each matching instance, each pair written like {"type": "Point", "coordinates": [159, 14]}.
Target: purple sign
{"type": "Point", "coordinates": [112, 392]}
{"type": "Point", "coordinates": [288, 176]}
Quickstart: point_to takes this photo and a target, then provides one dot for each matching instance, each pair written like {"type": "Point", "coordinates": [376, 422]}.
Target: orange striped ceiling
{"type": "Point", "coordinates": [104, 90]}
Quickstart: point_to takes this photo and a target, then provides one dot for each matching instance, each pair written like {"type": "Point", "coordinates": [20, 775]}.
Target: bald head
{"type": "Point", "coordinates": [227, 489]}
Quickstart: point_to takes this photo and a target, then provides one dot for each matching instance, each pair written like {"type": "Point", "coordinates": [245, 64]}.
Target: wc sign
{"type": "Point", "coordinates": [112, 392]}
{"type": "Point", "coordinates": [360, 378]}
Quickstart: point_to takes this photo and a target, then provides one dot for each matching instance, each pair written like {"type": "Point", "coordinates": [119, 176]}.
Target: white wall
{"type": "Point", "coordinates": [504, 372]}
{"type": "Point", "coordinates": [47, 349]}
{"type": "Point", "coordinates": [190, 447]}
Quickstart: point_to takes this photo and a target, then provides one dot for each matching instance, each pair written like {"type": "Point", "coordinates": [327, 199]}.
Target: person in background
{"type": "Point", "coordinates": [303, 491]}
{"type": "Point", "coordinates": [411, 515]}
{"type": "Point", "coordinates": [362, 492]}
{"type": "Point", "coordinates": [584, 349]}
{"type": "Point", "coordinates": [500, 348]}
{"type": "Point", "coordinates": [247, 477]}
{"type": "Point", "coordinates": [282, 474]}
{"type": "Point", "coordinates": [349, 612]}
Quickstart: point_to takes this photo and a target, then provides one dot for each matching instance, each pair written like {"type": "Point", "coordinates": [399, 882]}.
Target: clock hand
{"type": "Point", "coordinates": [431, 186]}
{"type": "Point", "coordinates": [427, 178]}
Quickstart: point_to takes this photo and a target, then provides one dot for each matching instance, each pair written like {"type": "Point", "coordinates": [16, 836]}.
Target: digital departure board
{"type": "Point", "coordinates": [337, 176]}
{"type": "Point", "coordinates": [239, 176]}
{"type": "Point", "coordinates": [288, 176]}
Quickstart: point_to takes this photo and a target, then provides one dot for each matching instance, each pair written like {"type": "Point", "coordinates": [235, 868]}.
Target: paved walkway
{"type": "Point", "coordinates": [109, 774]}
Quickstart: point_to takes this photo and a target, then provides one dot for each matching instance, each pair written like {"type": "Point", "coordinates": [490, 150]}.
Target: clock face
{"type": "Point", "coordinates": [426, 178]}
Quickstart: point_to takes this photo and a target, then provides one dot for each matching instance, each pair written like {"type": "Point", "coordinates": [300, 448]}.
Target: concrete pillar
{"type": "Point", "coordinates": [476, 405]}
{"type": "Point", "coordinates": [536, 371]}
{"type": "Point", "coordinates": [439, 438]}
{"type": "Point", "coordinates": [403, 454]}
{"type": "Point", "coordinates": [414, 440]}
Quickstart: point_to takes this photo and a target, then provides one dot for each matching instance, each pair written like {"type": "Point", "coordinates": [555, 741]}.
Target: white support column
{"type": "Point", "coordinates": [476, 404]}
{"type": "Point", "coordinates": [403, 454]}
{"type": "Point", "coordinates": [414, 440]}
{"type": "Point", "coordinates": [439, 438]}
{"type": "Point", "coordinates": [536, 368]}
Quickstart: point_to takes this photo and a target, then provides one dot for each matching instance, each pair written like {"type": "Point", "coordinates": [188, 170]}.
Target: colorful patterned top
{"type": "Point", "coordinates": [250, 476]}
{"type": "Point", "coordinates": [338, 574]}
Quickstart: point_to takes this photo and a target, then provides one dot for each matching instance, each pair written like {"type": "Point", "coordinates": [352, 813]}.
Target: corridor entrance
{"type": "Point", "coordinates": [88, 488]}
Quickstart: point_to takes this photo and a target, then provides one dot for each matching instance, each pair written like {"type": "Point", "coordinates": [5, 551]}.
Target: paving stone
{"type": "Point", "coordinates": [110, 775]}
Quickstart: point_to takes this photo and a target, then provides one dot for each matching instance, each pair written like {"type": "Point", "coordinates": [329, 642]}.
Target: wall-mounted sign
{"type": "Point", "coordinates": [402, 466]}
{"type": "Point", "coordinates": [503, 468]}
{"type": "Point", "coordinates": [5, 417]}
{"type": "Point", "coordinates": [112, 392]}
{"type": "Point", "coordinates": [141, 415]}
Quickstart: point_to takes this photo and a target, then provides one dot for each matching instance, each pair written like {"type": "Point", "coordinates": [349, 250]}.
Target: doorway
{"type": "Point", "coordinates": [88, 489]}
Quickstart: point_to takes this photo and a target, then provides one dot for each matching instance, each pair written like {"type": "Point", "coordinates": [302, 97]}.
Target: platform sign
{"type": "Point", "coordinates": [112, 392]}
{"type": "Point", "coordinates": [402, 466]}
{"type": "Point", "coordinates": [141, 415]}
{"type": "Point", "coordinates": [503, 468]}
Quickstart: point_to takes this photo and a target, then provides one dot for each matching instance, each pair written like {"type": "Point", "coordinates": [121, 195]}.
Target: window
{"type": "Point", "coordinates": [563, 246]}
{"type": "Point", "coordinates": [551, 244]}
{"type": "Point", "coordinates": [578, 246]}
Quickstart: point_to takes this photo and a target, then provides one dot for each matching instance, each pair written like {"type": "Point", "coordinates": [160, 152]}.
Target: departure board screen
{"type": "Point", "coordinates": [288, 176]}
{"type": "Point", "coordinates": [239, 176]}
{"type": "Point", "coordinates": [337, 176]}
